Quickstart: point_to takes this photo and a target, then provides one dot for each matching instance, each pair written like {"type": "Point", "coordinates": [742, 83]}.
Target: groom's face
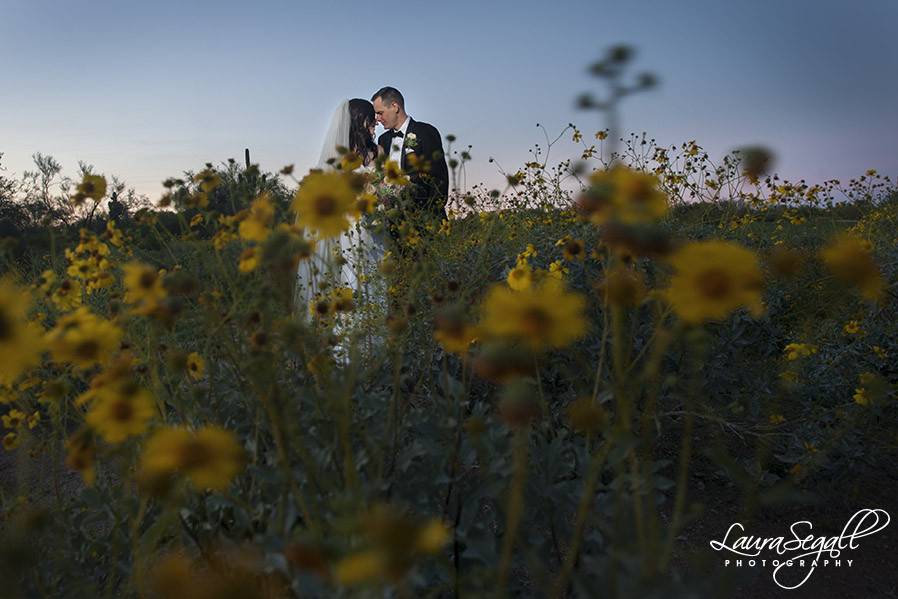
{"type": "Point", "coordinates": [386, 115]}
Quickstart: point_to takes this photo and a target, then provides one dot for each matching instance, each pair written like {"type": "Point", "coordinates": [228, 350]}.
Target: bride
{"type": "Point", "coordinates": [349, 261]}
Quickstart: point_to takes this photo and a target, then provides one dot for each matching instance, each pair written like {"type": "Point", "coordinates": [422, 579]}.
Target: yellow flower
{"type": "Point", "coordinates": [83, 339]}
{"type": "Point", "coordinates": [121, 411]}
{"type": "Point", "coordinates": [521, 276]}
{"type": "Point", "coordinates": [543, 316]}
{"type": "Point", "coordinates": [257, 225]}
{"type": "Point", "coordinates": [557, 269]}
{"type": "Point", "coordinates": [196, 366]}
{"type": "Point", "coordinates": [45, 281]}
{"type": "Point", "coordinates": [794, 351]}
{"type": "Point", "coordinates": [861, 397]}
{"type": "Point", "coordinates": [529, 252]}
{"type": "Point", "coordinates": [68, 295]}
{"type": "Point", "coordinates": [114, 234]}
{"type": "Point", "coordinates": [222, 238]}
{"type": "Point", "coordinates": [623, 195]}
{"type": "Point", "coordinates": [852, 327]}
{"type": "Point", "coordinates": [34, 420]}
{"type": "Point", "coordinates": [393, 174]}
{"type": "Point", "coordinates": [323, 201]}
{"type": "Point", "coordinates": [851, 260]}
{"type": "Point", "coordinates": [13, 419]}
{"type": "Point", "coordinates": [432, 537]}
{"type": "Point", "coordinates": [208, 180]}
{"type": "Point", "coordinates": [453, 332]}
{"type": "Point", "coordinates": [91, 186]}
{"type": "Point", "coordinates": [350, 161]}
{"type": "Point", "coordinates": [574, 250]}
{"type": "Point", "coordinates": [143, 286]}
{"type": "Point", "coordinates": [10, 441]}
{"type": "Point", "coordinates": [880, 352]}
{"type": "Point", "coordinates": [341, 297]}
{"type": "Point", "coordinates": [712, 279]}
{"type": "Point", "coordinates": [81, 455]}
{"type": "Point", "coordinates": [249, 260]}
{"type": "Point", "coordinates": [366, 203]}
{"type": "Point", "coordinates": [21, 342]}
{"type": "Point", "coordinates": [600, 135]}
{"type": "Point", "coordinates": [360, 567]}
{"type": "Point", "coordinates": [777, 419]}
{"type": "Point", "coordinates": [209, 457]}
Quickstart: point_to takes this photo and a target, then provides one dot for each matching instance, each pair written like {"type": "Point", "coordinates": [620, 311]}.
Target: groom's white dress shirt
{"type": "Point", "coordinates": [398, 143]}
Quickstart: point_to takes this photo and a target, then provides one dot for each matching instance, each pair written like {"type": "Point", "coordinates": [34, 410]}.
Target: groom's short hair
{"type": "Point", "coordinates": [388, 95]}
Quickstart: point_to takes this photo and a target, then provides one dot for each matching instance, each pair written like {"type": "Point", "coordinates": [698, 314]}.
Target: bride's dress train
{"type": "Point", "coordinates": [349, 261]}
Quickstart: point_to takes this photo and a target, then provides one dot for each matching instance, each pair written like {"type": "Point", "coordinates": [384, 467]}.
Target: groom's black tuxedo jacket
{"type": "Point", "coordinates": [430, 190]}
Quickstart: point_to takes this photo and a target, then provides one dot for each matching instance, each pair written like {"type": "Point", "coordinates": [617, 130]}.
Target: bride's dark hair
{"type": "Point", "coordinates": [361, 116]}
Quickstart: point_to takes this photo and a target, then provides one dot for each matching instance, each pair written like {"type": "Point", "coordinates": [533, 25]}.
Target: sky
{"type": "Point", "coordinates": [146, 90]}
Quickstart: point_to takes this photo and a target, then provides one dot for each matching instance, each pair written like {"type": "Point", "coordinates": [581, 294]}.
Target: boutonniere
{"type": "Point", "coordinates": [411, 140]}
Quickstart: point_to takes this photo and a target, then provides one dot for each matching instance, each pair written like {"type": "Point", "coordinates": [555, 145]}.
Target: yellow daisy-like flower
{"type": "Point", "coordinates": [121, 411]}
{"type": "Point", "coordinates": [13, 419]}
{"type": "Point", "coordinates": [83, 339]}
{"type": "Point", "coordinates": [323, 202]}
{"type": "Point", "coordinates": [359, 568]}
{"type": "Point", "coordinates": [21, 342]}
{"type": "Point", "coordinates": [210, 457]}
{"type": "Point", "coordinates": [143, 286]}
{"type": "Point", "coordinates": [542, 316]}
{"type": "Point", "coordinates": [623, 195]}
{"type": "Point", "coordinates": [574, 250]}
{"type": "Point", "coordinates": [81, 455]}
{"type": "Point", "coordinates": [453, 332]}
{"type": "Point", "coordinates": [795, 351]}
{"type": "Point", "coordinates": [91, 186]}
{"type": "Point", "coordinates": [67, 296]}
{"type": "Point", "coordinates": [10, 441]}
{"type": "Point", "coordinates": [257, 225]}
{"type": "Point", "coordinates": [432, 537]}
{"type": "Point", "coordinates": [249, 260]}
{"type": "Point", "coordinates": [196, 366]}
{"type": "Point", "coordinates": [852, 327]}
{"type": "Point", "coordinates": [851, 260]}
{"type": "Point", "coordinates": [529, 252]}
{"type": "Point", "coordinates": [712, 279]}
{"type": "Point", "coordinates": [350, 161]}
{"type": "Point", "coordinates": [366, 203]}
{"type": "Point", "coordinates": [393, 173]}
{"type": "Point", "coordinates": [114, 234]}
{"type": "Point", "coordinates": [208, 180]}
{"type": "Point", "coordinates": [557, 270]}
{"type": "Point", "coordinates": [861, 397]}
{"type": "Point", "coordinates": [521, 276]}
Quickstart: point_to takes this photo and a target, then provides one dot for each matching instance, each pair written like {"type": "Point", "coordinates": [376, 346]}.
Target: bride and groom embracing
{"type": "Point", "coordinates": [410, 152]}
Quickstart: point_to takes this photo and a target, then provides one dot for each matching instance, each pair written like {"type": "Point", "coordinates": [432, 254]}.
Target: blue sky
{"type": "Point", "coordinates": [145, 90]}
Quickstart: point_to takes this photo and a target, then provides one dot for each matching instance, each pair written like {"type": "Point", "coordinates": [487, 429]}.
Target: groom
{"type": "Point", "coordinates": [417, 148]}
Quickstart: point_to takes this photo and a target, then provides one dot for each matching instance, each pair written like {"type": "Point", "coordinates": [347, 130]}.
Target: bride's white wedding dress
{"type": "Point", "coordinates": [359, 249]}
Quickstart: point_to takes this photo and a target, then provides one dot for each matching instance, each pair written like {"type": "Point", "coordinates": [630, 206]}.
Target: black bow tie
{"type": "Point", "coordinates": [398, 134]}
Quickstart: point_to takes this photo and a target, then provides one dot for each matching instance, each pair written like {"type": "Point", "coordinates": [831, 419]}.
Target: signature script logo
{"type": "Point", "coordinates": [802, 551]}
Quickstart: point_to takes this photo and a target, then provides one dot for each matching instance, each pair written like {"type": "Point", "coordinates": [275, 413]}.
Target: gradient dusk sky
{"type": "Point", "coordinates": [146, 90]}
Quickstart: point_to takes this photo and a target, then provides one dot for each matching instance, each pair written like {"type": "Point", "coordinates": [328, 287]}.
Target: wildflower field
{"type": "Point", "coordinates": [575, 384]}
